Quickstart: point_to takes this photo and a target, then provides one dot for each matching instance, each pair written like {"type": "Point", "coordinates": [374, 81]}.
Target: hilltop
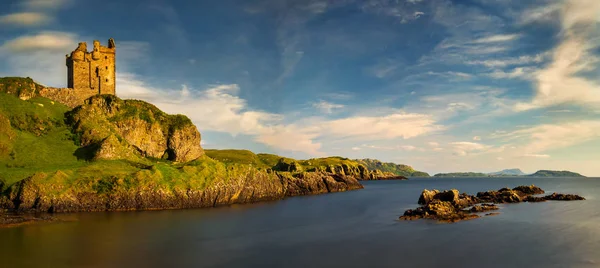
{"type": "Point", "coordinates": [508, 172]}
{"type": "Point", "coordinates": [554, 173]}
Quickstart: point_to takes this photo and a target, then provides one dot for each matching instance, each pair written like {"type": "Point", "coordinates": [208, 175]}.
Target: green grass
{"type": "Point", "coordinates": [18, 85]}
{"type": "Point", "coordinates": [243, 157]}
{"type": "Point", "coordinates": [398, 169]}
{"type": "Point", "coordinates": [40, 141]}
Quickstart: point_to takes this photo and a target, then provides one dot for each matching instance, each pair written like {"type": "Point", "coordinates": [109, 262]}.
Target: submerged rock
{"type": "Point", "coordinates": [483, 208]}
{"type": "Point", "coordinates": [450, 206]}
{"type": "Point", "coordinates": [563, 197]}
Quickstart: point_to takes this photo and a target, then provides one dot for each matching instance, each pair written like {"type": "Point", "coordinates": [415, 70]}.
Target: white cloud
{"type": "Point", "coordinates": [219, 108]}
{"type": "Point", "coordinates": [537, 155]}
{"type": "Point", "coordinates": [496, 38]}
{"type": "Point", "coordinates": [43, 41]}
{"type": "Point", "coordinates": [476, 138]}
{"type": "Point", "coordinates": [40, 56]}
{"type": "Point", "coordinates": [45, 4]}
{"type": "Point", "coordinates": [408, 147]}
{"type": "Point", "coordinates": [390, 126]}
{"type": "Point", "coordinates": [25, 19]}
{"type": "Point", "coordinates": [547, 137]}
{"type": "Point", "coordinates": [519, 72]}
{"type": "Point", "coordinates": [326, 107]}
{"type": "Point", "coordinates": [465, 148]}
{"type": "Point", "coordinates": [457, 106]}
{"type": "Point", "coordinates": [433, 144]}
{"type": "Point", "coordinates": [545, 13]}
{"type": "Point", "coordinates": [560, 82]}
{"type": "Point", "coordinates": [521, 60]}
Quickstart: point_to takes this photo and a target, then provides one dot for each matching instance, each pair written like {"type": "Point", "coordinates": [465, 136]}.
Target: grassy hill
{"type": "Point", "coordinates": [333, 164]}
{"type": "Point", "coordinates": [398, 169]}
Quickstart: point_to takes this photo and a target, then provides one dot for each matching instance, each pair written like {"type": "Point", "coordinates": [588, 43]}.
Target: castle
{"type": "Point", "coordinates": [94, 71]}
{"type": "Point", "coordinates": [88, 74]}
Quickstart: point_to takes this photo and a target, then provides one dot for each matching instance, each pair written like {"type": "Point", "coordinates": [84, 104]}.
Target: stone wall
{"type": "Point", "coordinates": [67, 96]}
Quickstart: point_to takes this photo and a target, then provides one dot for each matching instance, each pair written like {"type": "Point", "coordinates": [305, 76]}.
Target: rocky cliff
{"type": "Point", "coordinates": [117, 129]}
{"type": "Point", "coordinates": [145, 189]}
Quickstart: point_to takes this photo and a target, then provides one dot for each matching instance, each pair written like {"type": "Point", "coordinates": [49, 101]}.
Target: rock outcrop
{"type": "Point", "coordinates": [138, 126]}
{"type": "Point", "coordinates": [451, 206]}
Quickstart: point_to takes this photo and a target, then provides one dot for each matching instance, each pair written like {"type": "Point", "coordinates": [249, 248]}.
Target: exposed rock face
{"type": "Point", "coordinates": [380, 175]}
{"type": "Point", "coordinates": [142, 126]}
{"type": "Point", "coordinates": [33, 195]}
{"type": "Point", "coordinates": [427, 196]}
{"type": "Point", "coordinates": [112, 148]}
{"type": "Point", "coordinates": [450, 206]}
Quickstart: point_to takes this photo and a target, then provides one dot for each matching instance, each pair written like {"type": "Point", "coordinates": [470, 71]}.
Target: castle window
{"type": "Point", "coordinates": [106, 80]}
{"type": "Point", "coordinates": [105, 57]}
{"type": "Point", "coordinates": [106, 67]}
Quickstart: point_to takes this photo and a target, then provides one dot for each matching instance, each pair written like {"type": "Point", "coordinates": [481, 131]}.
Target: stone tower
{"type": "Point", "coordinates": [94, 71]}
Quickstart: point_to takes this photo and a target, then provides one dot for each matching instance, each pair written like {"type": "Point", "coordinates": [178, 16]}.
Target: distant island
{"type": "Point", "coordinates": [511, 173]}
{"type": "Point", "coordinates": [553, 173]}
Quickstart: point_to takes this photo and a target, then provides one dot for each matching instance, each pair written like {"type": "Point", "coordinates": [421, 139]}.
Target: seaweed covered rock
{"type": "Point", "coordinates": [145, 128]}
{"type": "Point", "coordinates": [451, 206]}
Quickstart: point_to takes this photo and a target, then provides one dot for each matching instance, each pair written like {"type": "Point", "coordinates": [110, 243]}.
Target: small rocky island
{"type": "Point", "coordinates": [452, 206]}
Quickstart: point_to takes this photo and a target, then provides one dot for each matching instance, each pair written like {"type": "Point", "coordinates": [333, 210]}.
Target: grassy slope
{"type": "Point", "coordinates": [398, 169]}
{"type": "Point", "coordinates": [39, 143]}
{"type": "Point", "coordinates": [271, 160]}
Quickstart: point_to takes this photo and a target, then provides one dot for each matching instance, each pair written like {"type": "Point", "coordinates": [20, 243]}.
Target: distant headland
{"type": "Point", "coordinates": [512, 173]}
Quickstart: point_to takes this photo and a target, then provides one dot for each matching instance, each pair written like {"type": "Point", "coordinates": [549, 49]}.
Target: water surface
{"type": "Point", "coordinates": [351, 229]}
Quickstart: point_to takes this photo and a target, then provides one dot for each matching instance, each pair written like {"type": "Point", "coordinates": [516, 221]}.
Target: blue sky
{"type": "Point", "coordinates": [469, 85]}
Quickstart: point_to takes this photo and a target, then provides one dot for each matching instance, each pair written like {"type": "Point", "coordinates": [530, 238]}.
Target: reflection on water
{"type": "Point", "coordinates": [352, 229]}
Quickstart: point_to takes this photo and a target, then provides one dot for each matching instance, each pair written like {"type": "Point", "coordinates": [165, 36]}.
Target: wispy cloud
{"type": "Point", "coordinates": [45, 4]}
{"type": "Point", "coordinates": [25, 19]}
{"type": "Point", "coordinates": [499, 38]}
{"type": "Point", "coordinates": [516, 73]}
{"type": "Point", "coordinates": [561, 81]}
{"type": "Point", "coordinates": [537, 155]}
{"type": "Point", "coordinates": [543, 138]}
{"type": "Point", "coordinates": [37, 55]}
{"type": "Point", "coordinates": [326, 107]}
{"type": "Point", "coordinates": [521, 60]}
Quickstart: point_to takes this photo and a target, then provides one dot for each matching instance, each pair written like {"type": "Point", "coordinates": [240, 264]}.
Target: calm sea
{"type": "Point", "coordinates": [352, 229]}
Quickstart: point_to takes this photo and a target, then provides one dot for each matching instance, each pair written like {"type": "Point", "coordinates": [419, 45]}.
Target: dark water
{"type": "Point", "coordinates": [352, 229]}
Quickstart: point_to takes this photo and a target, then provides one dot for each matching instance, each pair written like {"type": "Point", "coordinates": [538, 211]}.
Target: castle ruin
{"type": "Point", "coordinates": [93, 71]}
{"type": "Point", "coordinates": [88, 74]}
